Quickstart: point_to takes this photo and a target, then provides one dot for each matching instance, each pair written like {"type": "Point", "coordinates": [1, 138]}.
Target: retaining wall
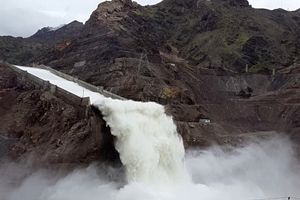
{"type": "Point", "coordinates": [28, 79]}
{"type": "Point", "coordinates": [82, 83]}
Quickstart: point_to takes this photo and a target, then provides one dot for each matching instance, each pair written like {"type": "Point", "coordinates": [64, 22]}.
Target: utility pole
{"type": "Point", "coordinates": [273, 72]}
{"type": "Point", "coordinates": [143, 58]}
{"type": "Point", "coordinates": [247, 68]}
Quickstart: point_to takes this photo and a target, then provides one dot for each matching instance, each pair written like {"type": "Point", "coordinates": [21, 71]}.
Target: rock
{"type": "Point", "coordinates": [27, 50]}
{"type": "Point", "coordinates": [127, 49]}
{"type": "Point", "coordinates": [80, 64]}
{"type": "Point", "coordinates": [48, 129]}
{"type": "Point", "coordinates": [217, 34]}
{"type": "Point", "coordinates": [238, 3]}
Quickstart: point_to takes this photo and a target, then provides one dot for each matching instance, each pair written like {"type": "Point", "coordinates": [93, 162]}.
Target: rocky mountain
{"type": "Point", "coordinates": [171, 52]}
{"type": "Point", "coordinates": [25, 50]}
{"type": "Point", "coordinates": [48, 129]}
{"type": "Point", "coordinates": [53, 36]}
{"type": "Point", "coordinates": [189, 55]}
{"type": "Point", "coordinates": [217, 34]}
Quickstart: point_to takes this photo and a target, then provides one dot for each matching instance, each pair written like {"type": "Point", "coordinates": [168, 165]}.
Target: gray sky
{"type": "Point", "coordinates": [25, 17]}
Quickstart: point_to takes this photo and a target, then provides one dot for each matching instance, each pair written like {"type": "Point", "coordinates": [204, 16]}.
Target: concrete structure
{"type": "Point", "coordinates": [82, 83]}
{"type": "Point", "coordinates": [30, 80]}
{"type": "Point", "coordinates": [205, 121]}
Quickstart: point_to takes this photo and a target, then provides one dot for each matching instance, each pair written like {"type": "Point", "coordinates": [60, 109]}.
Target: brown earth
{"type": "Point", "coordinates": [36, 124]}
{"type": "Point", "coordinates": [185, 54]}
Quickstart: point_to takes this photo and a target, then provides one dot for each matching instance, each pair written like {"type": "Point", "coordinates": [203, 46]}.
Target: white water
{"type": "Point", "coordinates": [153, 154]}
{"type": "Point", "coordinates": [70, 86]}
{"type": "Point", "coordinates": [261, 170]}
{"type": "Point", "coordinates": [147, 140]}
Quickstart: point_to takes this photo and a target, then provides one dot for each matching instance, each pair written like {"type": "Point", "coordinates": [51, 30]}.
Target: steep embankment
{"type": "Point", "coordinates": [38, 123]}
{"type": "Point", "coordinates": [217, 34]}
{"type": "Point", "coordinates": [145, 136]}
{"type": "Point", "coordinates": [47, 129]}
{"type": "Point", "coordinates": [185, 54]}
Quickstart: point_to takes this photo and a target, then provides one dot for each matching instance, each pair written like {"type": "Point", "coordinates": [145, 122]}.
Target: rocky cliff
{"type": "Point", "coordinates": [26, 50]}
{"type": "Point", "coordinates": [38, 125]}
{"type": "Point", "coordinates": [191, 56]}
{"type": "Point", "coordinates": [184, 54]}
{"type": "Point", "coordinates": [218, 34]}
{"type": "Point", "coordinates": [45, 129]}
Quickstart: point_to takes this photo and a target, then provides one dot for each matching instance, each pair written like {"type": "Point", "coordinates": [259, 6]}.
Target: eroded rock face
{"type": "Point", "coordinates": [174, 53]}
{"type": "Point", "coordinates": [52, 36]}
{"type": "Point", "coordinates": [47, 130]}
{"type": "Point", "coordinates": [189, 56]}
{"type": "Point", "coordinates": [40, 125]}
{"type": "Point", "coordinates": [27, 50]}
{"type": "Point", "coordinates": [238, 3]}
{"type": "Point", "coordinates": [206, 34]}
{"type": "Point", "coordinates": [113, 11]}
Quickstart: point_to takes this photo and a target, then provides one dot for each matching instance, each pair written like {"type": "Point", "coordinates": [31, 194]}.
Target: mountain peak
{"type": "Point", "coordinates": [111, 11]}
{"type": "Point", "coordinates": [124, 2]}
{"type": "Point", "coordinates": [116, 6]}
{"type": "Point", "coordinates": [239, 3]}
{"type": "Point", "coordinates": [53, 35]}
{"type": "Point", "coordinates": [72, 25]}
{"type": "Point", "coordinates": [232, 3]}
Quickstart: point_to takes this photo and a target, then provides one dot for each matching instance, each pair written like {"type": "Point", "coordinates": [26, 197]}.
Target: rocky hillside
{"type": "Point", "coordinates": [182, 53]}
{"type": "Point", "coordinates": [189, 55]}
{"type": "Point", "coordinates": [53, 36]}
{"type": "Point", "coordinates": [26, 50]}
{"type": "Point", "coordinates": [218, 34]}
{"type": "Point", "coordinates": [37, 125]}
{"type": "Point", "coordinates": [47, 129]}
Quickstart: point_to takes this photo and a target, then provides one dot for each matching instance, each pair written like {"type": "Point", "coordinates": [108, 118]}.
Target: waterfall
{"type": "Point", "coordinates": [153, 154]}
{"type": "Point", "coordinates": [147, 140]}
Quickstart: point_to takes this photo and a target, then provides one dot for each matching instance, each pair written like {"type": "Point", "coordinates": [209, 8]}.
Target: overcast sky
{"type": "Point", "coordinates": [25, 17]}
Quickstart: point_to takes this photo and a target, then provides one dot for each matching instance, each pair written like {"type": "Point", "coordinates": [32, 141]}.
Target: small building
{"type": "Point", "coordinates": [205, 120]}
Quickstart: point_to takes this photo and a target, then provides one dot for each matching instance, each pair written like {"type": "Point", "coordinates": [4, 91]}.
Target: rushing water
{"type": "Point", "coordinates": [260, 170]}
{"type": "Point", "coordinates": [153, 155]}
{"type": "Point", "coordinates": [147, 141]}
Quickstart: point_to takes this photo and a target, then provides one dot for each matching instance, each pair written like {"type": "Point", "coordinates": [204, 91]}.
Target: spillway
{"type": "Point", "coordinates": [153, 154]}
{"type": "Point", "coordinates": [146, 138]}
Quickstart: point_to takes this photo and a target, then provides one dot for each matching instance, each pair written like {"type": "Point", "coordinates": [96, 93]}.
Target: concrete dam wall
{"type": "Point", "coordinates": [53, 126]}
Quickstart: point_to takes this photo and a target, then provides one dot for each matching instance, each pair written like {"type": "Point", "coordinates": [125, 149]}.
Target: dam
{"type": "Point", "coordinates": [147, 140]}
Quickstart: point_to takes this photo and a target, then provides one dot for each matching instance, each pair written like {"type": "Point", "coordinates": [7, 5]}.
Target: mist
{"type": "Point", "coordinates": [264, 169]}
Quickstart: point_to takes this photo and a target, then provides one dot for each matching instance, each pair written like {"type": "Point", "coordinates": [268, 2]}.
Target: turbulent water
{"type": "Point", "coordinates": [153, 155]}
{"type": "Point", "coordinates": [147, 141]}
{"type": "Point", "coordinates": [260, 170]}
